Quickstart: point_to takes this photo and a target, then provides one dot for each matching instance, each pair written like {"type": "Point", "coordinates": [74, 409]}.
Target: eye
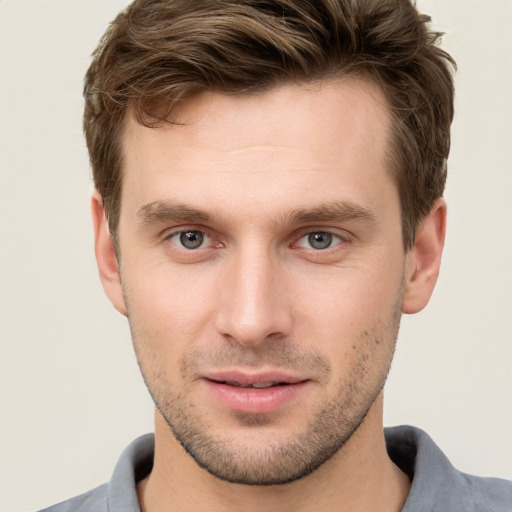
{"type": "Point", "coordinates": [319, 240]}
{"type": "Point", "coordinates": [190, 239]}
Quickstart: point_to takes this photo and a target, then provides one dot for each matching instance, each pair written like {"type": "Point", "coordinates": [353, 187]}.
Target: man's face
{"type": "Point", "coordinates": [262, 269]}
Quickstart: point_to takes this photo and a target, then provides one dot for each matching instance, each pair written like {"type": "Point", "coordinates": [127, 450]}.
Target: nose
{"type": "Point", "coordinates": [254, 304]}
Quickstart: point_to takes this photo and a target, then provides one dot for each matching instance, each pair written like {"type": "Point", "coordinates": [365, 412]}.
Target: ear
{"type": "Point", "coordinates": [424, 259]}
{"type": "Point", "coordinates": [106, 259]}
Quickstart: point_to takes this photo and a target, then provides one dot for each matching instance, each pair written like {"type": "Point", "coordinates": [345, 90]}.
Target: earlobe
{"type": "Point", "coordinates": [106, 258]}
{"type": "Point", "coordinates": [424, 259]}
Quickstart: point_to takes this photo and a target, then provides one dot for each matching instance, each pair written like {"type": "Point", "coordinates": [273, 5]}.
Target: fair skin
{"type": "Point", "coordinates": [260, 245]}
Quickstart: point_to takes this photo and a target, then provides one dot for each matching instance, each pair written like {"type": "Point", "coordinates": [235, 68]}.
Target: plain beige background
{"type": "Point", "coordinates": [71, 395]}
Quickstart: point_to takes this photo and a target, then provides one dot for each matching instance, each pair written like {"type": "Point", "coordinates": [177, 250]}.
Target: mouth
{"type": "Point", "coordinates": [255, 394]}
{"type": "Point", "coordinates": [255, 385]}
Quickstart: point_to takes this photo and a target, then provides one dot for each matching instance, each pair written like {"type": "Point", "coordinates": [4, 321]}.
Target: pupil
{"type": "Point", "coordinates": [191, 239]}
{"type": "Point", "coordinates": [320, 240]}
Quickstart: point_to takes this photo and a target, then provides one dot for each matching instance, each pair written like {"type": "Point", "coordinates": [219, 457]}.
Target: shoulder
{"type": "Point", "coordinates": [489, 494]}
{"type": "Point", "coordinates": [95, 500]}
{"type": "Point", "coordinates": [436, 484]}
{"type": "Point", "coordinates": [120, 494]}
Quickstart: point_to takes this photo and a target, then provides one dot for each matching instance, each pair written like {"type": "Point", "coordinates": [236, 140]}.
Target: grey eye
{"type": "Point", "coordinates": [320, 240]}
{"type": "Point", "coordinates": [191, 239]}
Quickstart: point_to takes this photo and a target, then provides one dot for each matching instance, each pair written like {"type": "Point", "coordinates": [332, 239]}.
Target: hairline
{"type": "Point", "coordinates": [356, 73]}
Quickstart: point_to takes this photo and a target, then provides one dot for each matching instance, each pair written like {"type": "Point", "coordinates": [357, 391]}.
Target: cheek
{"type": "Point", "coordinates": [352, 316]}
{"type": "Point", "coordinates": [168, 310]}
{"type": "Point", "coordinates": [176, 294]}
{"type": "Point", "coordinates": [347, 298]}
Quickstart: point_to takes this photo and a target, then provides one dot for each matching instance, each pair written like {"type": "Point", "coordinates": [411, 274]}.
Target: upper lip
{"type": "Point", "coordinates": [246, 378]}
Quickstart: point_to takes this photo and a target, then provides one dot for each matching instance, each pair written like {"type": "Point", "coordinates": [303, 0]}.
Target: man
{"type": "Point", "coordinates": [269, 180]}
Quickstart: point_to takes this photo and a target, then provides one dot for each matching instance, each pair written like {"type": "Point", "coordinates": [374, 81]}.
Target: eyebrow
{"type": "Point", "coordinates": [163, 211]}
{"type": "Point", "coordinates": [338, 211]}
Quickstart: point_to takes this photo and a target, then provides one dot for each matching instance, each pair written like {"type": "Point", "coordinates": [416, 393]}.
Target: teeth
{"type": "Point", "coordinates": [261, 385]}
{"type": "Point", "coordinates": [257, 385]}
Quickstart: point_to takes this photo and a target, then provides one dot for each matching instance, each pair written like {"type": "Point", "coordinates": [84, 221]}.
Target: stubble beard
{"type": "Point", "coordinates": [330, 427]}
{"type": "Point", "coordinates": [276, 464]}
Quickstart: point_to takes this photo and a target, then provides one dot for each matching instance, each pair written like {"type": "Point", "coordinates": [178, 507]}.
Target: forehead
{"type": "Point", "coordinates": [297, 141]}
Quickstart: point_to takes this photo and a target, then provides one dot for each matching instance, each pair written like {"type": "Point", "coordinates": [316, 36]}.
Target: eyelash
{"type": "Point", "coordinates": [169, 236]}
{"type": "Point", "coordinates": [337, 239]}
{"type": "Point", "coordinates": [331, 236]}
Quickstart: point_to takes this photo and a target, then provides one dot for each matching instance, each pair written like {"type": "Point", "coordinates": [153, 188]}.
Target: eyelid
{"type": "Point", "coordinates": [342, 235]}
{"type": "Point", "coordinates": [205, 241]}
{"type": "Point", "coordinates": [308, 247]}
{"type": "Point", "coordinates": [168, 234]}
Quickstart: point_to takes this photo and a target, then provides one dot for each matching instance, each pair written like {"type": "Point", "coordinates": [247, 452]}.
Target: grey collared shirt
{"type": "Point", "coordinates": [436, 485]}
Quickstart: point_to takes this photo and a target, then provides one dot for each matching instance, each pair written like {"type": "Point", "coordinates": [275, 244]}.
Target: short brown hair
{"type": "Point", "coordinates": [157, 52]}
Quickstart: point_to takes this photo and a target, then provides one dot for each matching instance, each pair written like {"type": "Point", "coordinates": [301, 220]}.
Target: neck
{"type": "Point", "coordinates": [360, 477]}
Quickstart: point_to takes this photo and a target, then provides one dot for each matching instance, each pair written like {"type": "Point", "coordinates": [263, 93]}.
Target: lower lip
{"type": "Point", "coordinates": [253, 400]}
